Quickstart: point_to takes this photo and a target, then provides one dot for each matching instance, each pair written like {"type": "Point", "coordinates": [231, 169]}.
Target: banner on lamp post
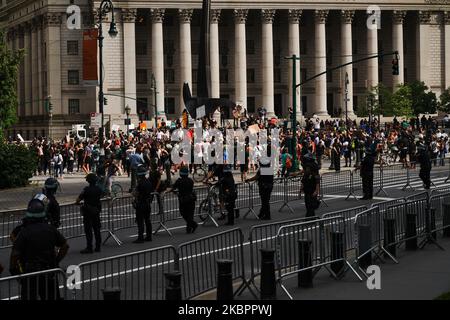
{"type": "Point", "coordinates": [90, 57]}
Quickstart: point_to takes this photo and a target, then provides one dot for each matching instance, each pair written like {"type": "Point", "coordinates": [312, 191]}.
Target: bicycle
{"type": "Point", "coordinates": [116, 188]}
{"type": "Point", "coordinates": [211, 206]}
{"type": "Point", "coordinates": [200, 172]}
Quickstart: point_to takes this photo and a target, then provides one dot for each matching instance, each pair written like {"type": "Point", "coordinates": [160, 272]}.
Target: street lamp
{"type": "Point", "coordinates": [346, 99]}
{"type": "Point", "coordinates": [50, 114]}
{"type": "Point", "coordinates": [153, 88]}
{"type": "Point", "coordinates": [128, 111]}
{"type": "Point", "coordinates": [106, 6]}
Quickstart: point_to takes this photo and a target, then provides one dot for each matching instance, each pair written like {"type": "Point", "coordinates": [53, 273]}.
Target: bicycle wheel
{"type": "Point", "coordinates": [199, 174]}
{"type": "Point", "coordinates": [203, 210]}
{"type": "Point", "coordinates": [116, 190]}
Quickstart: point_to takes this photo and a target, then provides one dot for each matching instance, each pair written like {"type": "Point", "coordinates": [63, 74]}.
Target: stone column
{"type": "Point", "coordinates": [40, 84]}
{"type": "Point", "coordinates": [214, 57]}
{"type": "Point", "coordinates": [185, 16]}
{"type": "Point", "coordinates": [267, 16]}
{"type": "Point", "coordinates": [157, 16]}
{"type": "Point", "coordinates": [372, 49]}
{"type": "Point", "coordinates": [397, 45]}
{"type": "Point", "coordinates": [240, 58]}
{"type": "Point", "coordinates": [447, 48]}
{"type": "Point", "coordinates": [34, 69]}
{"type": "Point", "coordinates": [19, 35]}
{"type": "Point", "coordinates": [346, 51]}
{"type": "Point", "coordinates": [294, 48]}
{"type": "Point", "coordinates": [320, 108]}
{"type": "Point", "coordinates": [129, 54]}
{"type": "Point", "coordinates": [52, 25]}
{"type": "Point", "coordinates": [422, 43]}
{"type": "Point", "coordinates": [27, 70]}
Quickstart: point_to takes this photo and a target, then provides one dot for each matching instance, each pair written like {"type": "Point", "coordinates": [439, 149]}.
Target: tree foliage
{"type": "Point", "coordinates": [423, 101]}
{"type": "Point", "coordinates": [444, 104]}
{"type": "Point", "coordinates": [9, 66]}
{"type": "Point", "coordinates": [402, 101]}
{"type": "Point", "coordinates": [18, 165]}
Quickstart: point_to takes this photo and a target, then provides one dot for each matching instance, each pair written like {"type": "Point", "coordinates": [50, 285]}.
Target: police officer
{"type": "Point", "coordinates": [264, 176]}
{"type": "Point", "coordinates": [229, 191]}
{"type": "Point", "coordinates": [366, 173]}
{"type": "Point", "coordinates": [186, 198]}
{"type": "Point", "coordinates": [423, 157]}
{"type": "Point", "coordinates": [53, 209]}
{"type": "Point", "coordinates": [143, 196]}
{"type": "Point", "coordinates": [34, 250]}
{"type": "Point", "coordinates": [90, 210]}
{"type": "Point", "coordinates": [310, 184]}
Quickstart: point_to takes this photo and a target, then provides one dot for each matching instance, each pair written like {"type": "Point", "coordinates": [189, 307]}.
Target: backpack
{"type": "Point", "coordinates": [288, 163]}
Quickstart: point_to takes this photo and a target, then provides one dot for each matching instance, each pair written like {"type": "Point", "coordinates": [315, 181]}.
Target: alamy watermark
{"type": "Point", "coordinates": [373, 281]}
{"type": "Point", "coordinates": [374, 19]}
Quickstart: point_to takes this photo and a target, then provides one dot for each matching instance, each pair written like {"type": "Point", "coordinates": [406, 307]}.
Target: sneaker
{"type": "Point", "coordinates": [87, 250]}
{"type": "Point", "coordinates": [138, 240]}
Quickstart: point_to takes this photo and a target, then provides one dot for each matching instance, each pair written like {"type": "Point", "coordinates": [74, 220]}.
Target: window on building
{"type": "Point", "coordinates": [354, 47]}
{"type": "Point", "coordinates": [355, 75]}
{"type": "Point", "coordinates": [142, 109]}
{"type": "Point", "coordinates": [168, 20]}
{"type": "Point", "coordinates": [380, 45]}
{"type": "Point", "coordinates": [223, 47]}
{"type": "Point", "coordinates": [141, 76]}
{"type": "Point", "coordinates": [330, 76]}
{"type": "Point", "coordinates": [194, 47]}
{"type": "Point", "coordinates": [277, 75]}
{"type": "Point", "coordinates": [169, 76]}
{"type": "Point", "coordinates": [141, 48]}
{"type": "Point", "coordinates": [74, 106]}
{"type": "Point", "coordinates": [304, 104]}
{"type": "Point", "coordinates": [250, 47]}
{"type": "Point", "coordinates": [72, 47]}
{"type": "Point", "coordinates": [194, 76]}
{"type": "Point", "coordinates": [169, 47]}
{"type": "Point", "coordinates": [73, 77]}
{"type": "Point", "coordinates": [329, 52]}
{"type": "Point", "coordinates": [380, 74]}
{"type": "Point", "coordinates": [44, 51]}
{"type": "Point", "coordinates": [169, 60]}
{"type": "Point", "coordinates": [304, 74]}
{"type": "Point", "coordinates": [223, 75]}
{"type": "Point", "coordinates": [169, 105]}
{"type": "Point", "coordinates": [303, 47]}
{"type": "Point", "coordinates": [276, 47]}
{"type": "Point", "coordinates": [405, 75]}
{"type": "Point", "coordinates": [276, 60]}
{"type": "Point", "coordinates": [355, 103]}
{"type": "Point", "coordinates": [250, 104]}
{"type": "Point", "coordinates": [224, 60]}
{"type": "Point", "coordinates": [250, 75]}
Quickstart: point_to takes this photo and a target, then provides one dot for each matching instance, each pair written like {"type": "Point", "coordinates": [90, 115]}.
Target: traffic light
{"type": "Point", "coordinates": [395, 70]}
{"type": "Point", "coordinates": [105, 101]}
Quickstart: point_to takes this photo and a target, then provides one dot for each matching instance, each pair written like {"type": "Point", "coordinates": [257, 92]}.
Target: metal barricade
{"type": "Point", "coordinates": [292, 192]}
{"type": "Point", "coordinates": [349, 220]}
{"type": "Point", "coordinates": [278, 191]}
{"type": "Point", "coordinates": [437, 204]}
{"type": "Point", "coordinates": [9, 220]}
{"type": "Point", "coordinates": [395, 174]}
{"type": "Point", "coordinates": [319, 233]}
{"type": "Point", "coordinates": [263, 236]}
{"type": "Point", "coordinates": [244, 199]}
{"type": "Point", "coordinates": [383, 205]}
{"type": "Point", "coordinates": [41, 285]}
{"type": "Point", "coordinates": [139, 275]}
{"type": "Point", "coordinates": [335, 183]}
{"type": "Point", "coordinates": [197, 261]}
{"type": "Point", "coordinates": [418, 196]}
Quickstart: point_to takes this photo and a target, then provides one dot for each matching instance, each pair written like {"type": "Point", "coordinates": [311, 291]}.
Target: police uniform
{"type": "Point", "coordinates": [53, 210]}
{"type": "Point", "coordinates": [265, 185]}
{"type": "Point", "coordinates": [424, 159]}
{"type": "Point", "coordinates": [90, 211]}
{"type": "Point", "coordinates": [144, 190]}
{"type": "Point", "coordinates": [310, 180]}
{"type": "Point", "coordinates": [186, 198]}
{"type": "Point", "coordinates": [366, 173]}
{"type": "Point", "coordinates": [228, 187]}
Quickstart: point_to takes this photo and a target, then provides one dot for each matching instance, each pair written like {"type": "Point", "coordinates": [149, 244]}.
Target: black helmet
{"type": "Point", "coordinates": [141, 170]}
{"type": "Point", "coordinates": [91, 178]}
{"type": "Point", "coordinates": [37, 206]}
{"type": "Point", "coordinates": [51, 184]}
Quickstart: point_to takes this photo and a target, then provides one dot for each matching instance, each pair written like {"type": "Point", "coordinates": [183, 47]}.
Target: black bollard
{"type": "Point", "coordinates": [268, 284]}
{"type": "Point", "coordinates": [111, 293]}
{"type": "Point", "coordinates": [433, 223]}
{"type": "Point", "coordinates": [305, 260]}
{"type": "Point", "coordinates": [224, 279]}
{"type": "Point", "coordinates": [173, 286]}
{"type": "Point", "coordinates": [410, 232]}
{"type": "Point", "coordinates": [446, 219]}
{"type": "Point", "coordinates": [389, 236]}
{"type": "Point", "coordinates": [364, 244]}
{"type": "Point", "coordinates": [337, 251]}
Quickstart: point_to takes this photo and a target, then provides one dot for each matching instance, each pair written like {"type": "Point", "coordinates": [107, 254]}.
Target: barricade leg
{"type": "Point", "coordinates": [337, 253]}
{"type": "Point", "coordinates": [408, 180]}
{"type": "Point", "coordinates": [446, 219]}
{"type": "Point", "coordinates": [431, 234]}
{"type": "Point", "coordinates": [410, 232]}
{"type": "Point", "coordinates": [389, 247]}
{"type": "Point", "coordinates": [224, 280]}
{"type": "Point", "coordinates": [173, 286]}
{"type": "Point", "coordinates": [285, 198]}
{"type": "Point", "coordinates": [352, 187]}
{"type": "Point", "coordinates": [268, 285]}
{"type": "Point", "coordinates": [251, 205]}
{"type": "Point", "coordinates": [110, 224]}
{"type": "Point", "coordinates": [381, 184]}
{"type": "Point", "coordinates": [305, 278]}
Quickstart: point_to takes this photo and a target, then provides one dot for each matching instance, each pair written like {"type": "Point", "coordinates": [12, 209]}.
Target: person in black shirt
{"type": "Point", "coordinates": [143, 196]}
{"type": "Point", "coordinates": [34, 250]}
{"type": "Point", "coordinates": [366, 173]}
{"type": "Point", "coordinates": [264, 176]}
{"type": "Point", "coordinates": [423, 157]}
{"type": "Point", "coordinates": [53, 209]}
{"type": "Point", "coordinates": [229, 191]}
{"type": "Point", "coordinates": [91, 213]}
{"type": "Point", "coordinates": [186, 198]}
{"type": "Point", "coordinates": [310, 184]}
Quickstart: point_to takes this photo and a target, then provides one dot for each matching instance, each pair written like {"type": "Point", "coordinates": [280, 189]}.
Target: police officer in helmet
{"type": "Point", "coordinates": [366, 173]}
{"type": "Point", "coordinates": [229, 192]}
{"type": "Point", "coordinates": [423, 157]}
{"type": "Point", "coordinates": [90, 210]}
{"type": "Point", "coordinates": [38, 246]}
{"type": "Point", "coordinates": [310, 184]}
{"type": "Point", "coordinates": [143, 196]}
{"type": "Point", "coordinates": [186, 198]}
{"type": "Point", "coordinates": [53, 210]}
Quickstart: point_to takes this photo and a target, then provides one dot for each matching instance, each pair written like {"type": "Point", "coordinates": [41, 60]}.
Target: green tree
{"type": "Point", "coordinates": [422, 101]}
{"type": "Point", "coordinates": [9, 65]}
{"type": "Point", "coordinates": [402, 101]}
{"type": "Point", "coordinates": [444, 104]}
{"type": "Point", "coordinates": [381, 98]}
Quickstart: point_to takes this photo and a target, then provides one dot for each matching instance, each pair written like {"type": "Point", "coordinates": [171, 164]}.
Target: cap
{"type": "Point", "coordinates": [37, 206]}
{"type": "Point", "coordinates": [184, 172]}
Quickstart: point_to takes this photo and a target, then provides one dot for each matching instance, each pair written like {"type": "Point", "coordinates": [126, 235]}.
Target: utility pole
{"type": "Point", "coordinates": [153, 88]}
{"type": "Point", "coordinates": [346, 100]}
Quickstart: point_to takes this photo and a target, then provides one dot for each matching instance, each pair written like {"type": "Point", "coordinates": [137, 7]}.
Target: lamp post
{"type": "Point", "coordinates": [106, 6]}
{"type": "Point", "coordinates": [346, 100]}
{"type": "Point", "coordinates": [127, 111]}
{"type": "Point", "coordinates": [153, 88]}
{"type": "Point", "coordinates": [50, 115]}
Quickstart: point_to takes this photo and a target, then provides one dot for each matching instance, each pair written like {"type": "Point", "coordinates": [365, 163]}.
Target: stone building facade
{"type": "Point", "coordinates": [249, 43]}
